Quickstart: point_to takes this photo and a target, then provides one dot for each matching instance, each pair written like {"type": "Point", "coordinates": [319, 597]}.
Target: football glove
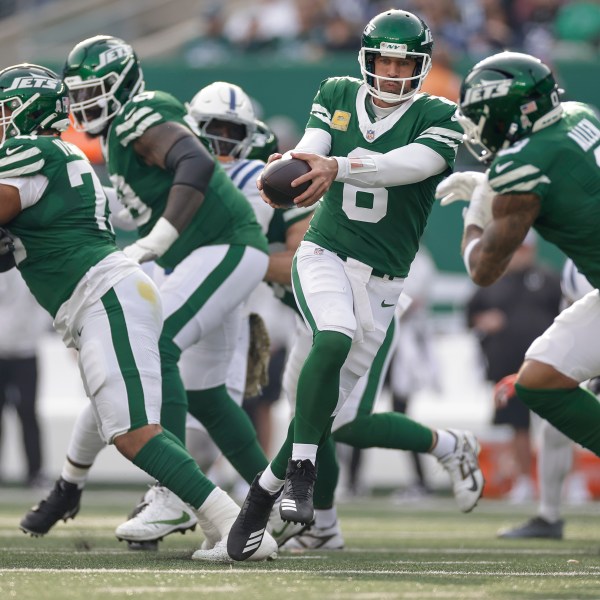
{"type": "Point", "coordinates": [472, 187]}
{"type": "Point", "coordinates": [155, 244]}
{"type": "Point", "coordinates": [7, 247]}
{"type": "Point", "coordinates": [257, 372]}
{"type": "Point", "coordinates": [504, 390]}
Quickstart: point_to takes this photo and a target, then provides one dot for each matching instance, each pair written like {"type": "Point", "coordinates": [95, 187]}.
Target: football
{"type": "Point", "coordinates": [277, 177]}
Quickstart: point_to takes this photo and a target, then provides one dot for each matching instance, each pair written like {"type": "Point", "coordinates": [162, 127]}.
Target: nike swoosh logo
{"type": "Point", "coordinates": [384, 304]}
{"type": "Point", "coordinates": [10, 151]}
{"type": "Point", "coordinates": [501, 168]}
{"type": "Point", "coordinates": [470, 473]}
{"type": "Point", "coordinates": [126, 117]}
{"type": "Point", "coordinates": [182, 519]}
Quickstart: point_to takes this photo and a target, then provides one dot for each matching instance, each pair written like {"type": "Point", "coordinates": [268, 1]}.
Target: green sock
{"type": "Point", "coordinates": [385, 430]}
{"type": "Point", "coordinates": [169, 463]}
{"type": "Point", "coordinates": [172, 437]}
{"type": "Point", "coordinates": [575, 412]}
{"type": "Point", "coordinates": [318, 385]}
{"type": "Point", "coordinates": [328, 475]}
{"type": "Point", "coordinates": [174, 408]}
{"type": "Point", "coordinates": [230, 428]}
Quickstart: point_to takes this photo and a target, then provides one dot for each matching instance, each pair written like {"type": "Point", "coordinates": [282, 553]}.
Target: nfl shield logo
{"type": "Point", "coordinates": [370, 135]}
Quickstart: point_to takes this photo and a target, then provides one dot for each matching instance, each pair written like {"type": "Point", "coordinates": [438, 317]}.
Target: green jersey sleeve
{"type": "Point", "coordinates": [332, 92]}
{"type": "Point", "coordinates": [21, 156]}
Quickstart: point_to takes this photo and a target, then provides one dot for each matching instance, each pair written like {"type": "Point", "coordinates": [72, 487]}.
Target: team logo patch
{"type": "Point", "coordinates": [370, 135]}
{"type": "Point", "coordinates": [318, 250]}
{"type": "Point", "coordinates": [340, 120]}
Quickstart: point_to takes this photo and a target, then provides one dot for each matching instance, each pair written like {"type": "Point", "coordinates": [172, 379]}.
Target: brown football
{"type": "Point", "coordinates": [277, 177]}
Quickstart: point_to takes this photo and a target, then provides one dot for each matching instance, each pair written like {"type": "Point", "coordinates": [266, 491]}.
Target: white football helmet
{"type": "Point", "coordinates": [226, 117]}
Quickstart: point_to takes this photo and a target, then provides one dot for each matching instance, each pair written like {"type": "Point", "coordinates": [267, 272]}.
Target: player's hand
{"type": "Point", "coordinates": [504, 390]}
{"type": "Point", "coordinates": [140, 252]}
{"type": "Point", "coordinates": [272, 158]}
{"type": "Point", "coordinates": [458, 186]}
{"type": "Point", "coordinates": [479, 211]}
{"type": "Point", "coordinates": [323, 171]}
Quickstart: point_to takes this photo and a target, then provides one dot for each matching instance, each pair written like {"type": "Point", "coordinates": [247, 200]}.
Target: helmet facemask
{"type": "Point", "coordinates": [228, 138]}
{"type": "Point", "coordinates": [94, 101]}
{"type": "Point", "coordinates": [409, 86]}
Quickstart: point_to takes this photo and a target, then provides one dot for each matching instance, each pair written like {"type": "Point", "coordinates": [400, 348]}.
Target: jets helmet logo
{"type": "Point", "coordinates": [20, 83]}
{"type": "Point", "coordinates": [487, 90]}
{"type": "Point", "coordinates": [113, 54]}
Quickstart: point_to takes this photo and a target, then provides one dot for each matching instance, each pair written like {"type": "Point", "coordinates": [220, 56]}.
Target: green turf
{"type": "Point", "coordinates": [429, 550]}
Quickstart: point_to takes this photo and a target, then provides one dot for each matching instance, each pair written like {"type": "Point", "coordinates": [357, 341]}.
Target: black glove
{"type": "Point", "coordinates": [7, 247]}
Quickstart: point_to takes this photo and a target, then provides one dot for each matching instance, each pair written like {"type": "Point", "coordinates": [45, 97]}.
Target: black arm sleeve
{"type": "Point", "coordinates": [191, 163]}
{"type": "Point", "coordinates": [7, 262]}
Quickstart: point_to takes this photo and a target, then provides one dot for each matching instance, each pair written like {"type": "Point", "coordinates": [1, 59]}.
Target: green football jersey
{"type": "Point", "coordinates": [281, 220]}
{"type": "Point", "coordinates": [66, 232]}
{"type": "Point", "coordinates": [225, 216]}
{"type": "Point", "coordinates": [561, 165]}
{"type": "Point", "coordinates": [378, 226]}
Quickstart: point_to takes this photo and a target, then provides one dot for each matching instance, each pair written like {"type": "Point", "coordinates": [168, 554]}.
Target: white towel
{"type": "Point", "coordinates": [359, 274]}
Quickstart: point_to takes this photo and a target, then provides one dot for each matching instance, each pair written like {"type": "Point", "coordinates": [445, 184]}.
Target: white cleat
{"type": "Point", "coordinates": [218, 553]}
{"type": "Point", "coordinates": [463, 467]}
{"type": "Point", "coordinates": [317, 538]}
{"type": "Point", "coordinates": [281, 530]}
{"type": "Point", "coordinates": [165, 513]}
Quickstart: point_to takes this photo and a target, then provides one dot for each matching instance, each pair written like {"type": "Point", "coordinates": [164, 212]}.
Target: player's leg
{"type": "Point", "coordinates": [357, 425]}
{"type": "Point", "coordinates": [566, 354]}
{"type": "Point", "coordinates": [119, 360]}
{"type": "Point", "coordinates": [555, 459]}
{"type": "Point", "coordinates": [63, 501]}
{"type": "Point", "coordinates": [217, 323]}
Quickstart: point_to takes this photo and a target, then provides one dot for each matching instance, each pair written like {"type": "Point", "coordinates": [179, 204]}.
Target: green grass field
{"type": "Point", "coordinates": [422, 551]}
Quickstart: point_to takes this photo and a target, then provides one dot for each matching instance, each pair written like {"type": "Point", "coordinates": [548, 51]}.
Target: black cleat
{"type": "Point", "coordinates": [62, 503]}
{"type": "Point", "coordinates": [537, 527]}
{"type": "Point", "coordinates": [151, 546]}
{"type": "Point", "coordinates": [248, 530]}
{"type": "Point", "coordinates": [297, 499]}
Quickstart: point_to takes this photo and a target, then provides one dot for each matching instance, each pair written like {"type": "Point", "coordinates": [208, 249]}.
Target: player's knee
{"type": "Point", "coordinates": [131, 442]}
{"type": "Point", "coordinates": [536, 375]}
{"type": "Point", "coordinates": [332, 347]}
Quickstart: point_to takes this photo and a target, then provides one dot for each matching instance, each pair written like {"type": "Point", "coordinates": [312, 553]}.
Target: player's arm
{"type": "Point", "coordinates": [10, 203]}
{"type": "Point", "coordinates": [488, 251]}
{"type": "Point", "coordinates": [173, 147]}
{"type": "Point", "coordinates": [280, 263]}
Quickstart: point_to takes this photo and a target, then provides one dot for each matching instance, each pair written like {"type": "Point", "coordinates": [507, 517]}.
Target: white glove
{"type": "Point", "coordinates": [479, 211]}
{"type": "Point", "coordinates": [139, 252]}
{"type": "Point", "coordinates": [472, 187]}
{"type": "Point", "coordinates": [155, 244]}
{"type": "Point", "coordinates": [458, 186]}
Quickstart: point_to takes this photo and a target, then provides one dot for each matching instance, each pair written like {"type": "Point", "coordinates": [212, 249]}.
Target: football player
{"type": "Point", "coordinates": [555, 453]}
{"type": "Point", "coordinates": [192, 221]}
{"type": "Point", "coordinates": [377, 148]}
{"type": "Point", "coordinates": [543, 157]}
{"type": "Point", "coordinates": [103, 304]}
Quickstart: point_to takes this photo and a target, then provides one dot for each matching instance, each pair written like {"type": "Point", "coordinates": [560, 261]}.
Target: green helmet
{"type": "Point", "coordinates": [264, 142]}
{"type": "Point", "coordinates": [505, 98]}
{"type": "Point", "coordinates": [32, 99]}
{"type": "Point", "coordinates": [102, 74]}
{"type": "Point", "coordinates": [396, 34]}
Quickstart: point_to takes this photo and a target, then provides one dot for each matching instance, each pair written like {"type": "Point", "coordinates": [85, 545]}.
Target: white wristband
{"type": "Point", "coordinates": [467, 254]}
{"type": "Point", "coordinates": [161, 237]}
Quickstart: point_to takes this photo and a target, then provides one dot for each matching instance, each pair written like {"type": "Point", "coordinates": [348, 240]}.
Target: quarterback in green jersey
{"type": "Point", "coordinates": [195, 224]}
{"type": "Point", "coordinates": [103, 304]}
{"type": "Point", "coordinates": [544, 172]}
{"type": "Point", "coordinates": [377, 148]}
